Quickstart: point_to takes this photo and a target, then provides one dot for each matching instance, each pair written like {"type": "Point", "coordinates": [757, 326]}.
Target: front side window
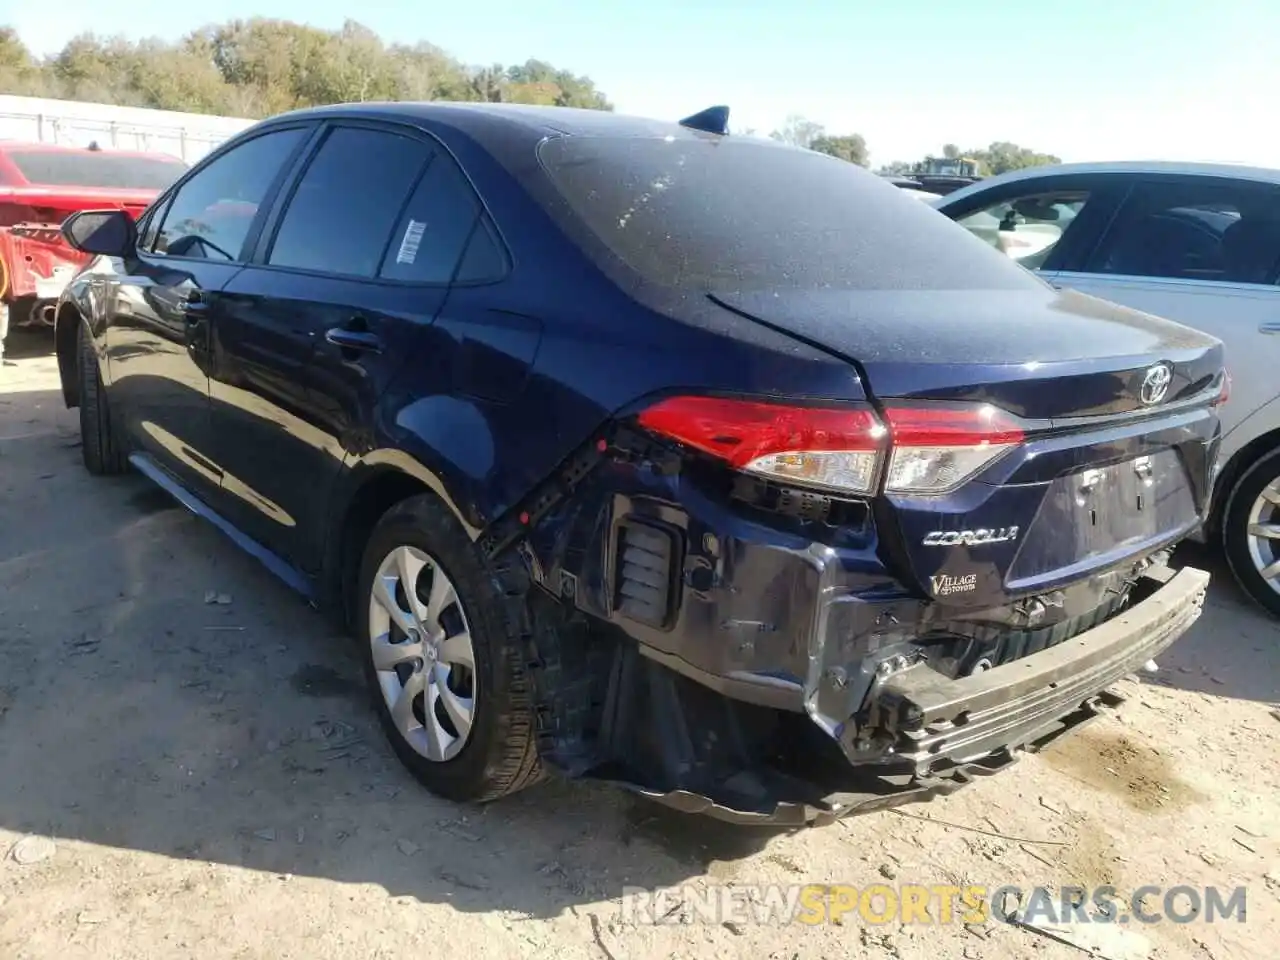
{"type": "Point", "coordinates": [1026, 229]}
{"type": "Point", "coordinates": [342, 216]}
{"type": "Point", "coordinates": [210, 215]}
{"type": "Point", "coordinates": [1194, 228]}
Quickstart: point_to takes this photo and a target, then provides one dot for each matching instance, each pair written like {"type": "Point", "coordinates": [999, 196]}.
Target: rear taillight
{"type": "Point", "coordinates": [840, 448]}
{"type": "Point", "coordinates": [935, 449]}
{"type": "Point", "coordinates": [836, 448]}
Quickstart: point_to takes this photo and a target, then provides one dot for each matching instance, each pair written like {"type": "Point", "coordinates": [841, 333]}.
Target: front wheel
{"type": "Point", "coordinates": [1251, 531]}
{"type": "Point", "coordinates": [442, 641]}
{"type": "Point", "coordinates": [100, 442]}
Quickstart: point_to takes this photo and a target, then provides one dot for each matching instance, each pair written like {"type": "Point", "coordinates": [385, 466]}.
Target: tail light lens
{"type": "Point", "coordinates": [840, 449]}
{"type": "Point", "coordinates": [935, 449]}
{"type": "Point", "coordinates": [836, 448]}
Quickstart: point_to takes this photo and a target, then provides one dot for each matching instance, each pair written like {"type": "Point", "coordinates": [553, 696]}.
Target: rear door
{"type": "Point", "coordinates": [1204, 251]}
{"type": "Point", "coordinates": [347, 279]}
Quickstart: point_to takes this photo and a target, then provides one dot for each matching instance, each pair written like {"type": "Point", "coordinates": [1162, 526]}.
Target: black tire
{"type": "Point", "coordinates": [500, 755]}
{"type": "Point", "coordinates": [1235, 538]}
{"type": "Point", "coordinates": [99, 441]}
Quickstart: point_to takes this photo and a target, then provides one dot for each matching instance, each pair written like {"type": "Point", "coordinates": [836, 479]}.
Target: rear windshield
{"type": "Point", "coordinates": [65, 169]}
{"type": "Point", "coordinates": [724, 214]}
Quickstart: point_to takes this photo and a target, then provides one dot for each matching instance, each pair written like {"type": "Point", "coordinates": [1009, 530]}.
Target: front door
{"type": "Point", "coordinates": [163, 302]}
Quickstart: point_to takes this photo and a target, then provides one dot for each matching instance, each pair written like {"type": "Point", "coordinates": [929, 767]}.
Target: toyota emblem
{"type": "Point", "coordinates": [1155, 384]}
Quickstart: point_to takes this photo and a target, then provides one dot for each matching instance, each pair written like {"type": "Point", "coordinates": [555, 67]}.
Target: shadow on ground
{"type": "Point", "coordinates": [135, 714]}
{"type": "Point", "coordinates": [23, 343]}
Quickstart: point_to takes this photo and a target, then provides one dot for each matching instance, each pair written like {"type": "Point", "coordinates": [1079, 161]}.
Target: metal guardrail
{"type": "Point", "coordinates": [54, 129]}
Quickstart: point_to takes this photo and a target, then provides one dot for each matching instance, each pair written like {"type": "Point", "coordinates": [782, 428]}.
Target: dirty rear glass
{"type": "Point", "coordinates": [59, 169]}
{"type": "Point", "coordinates": [725, 214]}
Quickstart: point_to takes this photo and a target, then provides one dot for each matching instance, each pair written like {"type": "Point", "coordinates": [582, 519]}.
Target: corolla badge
{"type": "Point", "coordinates": [1155, 384]}
{"type": "Point", "coordinates": [969, 538]}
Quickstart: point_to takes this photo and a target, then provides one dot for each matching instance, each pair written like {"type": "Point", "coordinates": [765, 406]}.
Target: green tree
{"type": "Point", "coordinates": [20, 73]}
{"type": "Point", "coordinates": [895, 168]}
{"type": "Point", "coordinates": [260, 66]}
{"type": "Point", "coordinates": [1003, 156]}
{"type": "Point", "coordinates": [851, 147]}
{"type": "Point", "coordinates": [798, 131]}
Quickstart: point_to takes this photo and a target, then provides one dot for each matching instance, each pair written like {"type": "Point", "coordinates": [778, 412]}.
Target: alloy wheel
{"type": "Point", "coordinates": [422, 653]}
{"type": "Point", "coordinates": [1263, 534]}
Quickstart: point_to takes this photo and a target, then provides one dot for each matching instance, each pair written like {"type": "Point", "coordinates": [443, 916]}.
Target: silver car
{"type": "Point", "coordinates": [1196, 243]}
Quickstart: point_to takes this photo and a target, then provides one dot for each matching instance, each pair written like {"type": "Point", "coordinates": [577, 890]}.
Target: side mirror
{"type": "Point", "coordinates": [110, 233]}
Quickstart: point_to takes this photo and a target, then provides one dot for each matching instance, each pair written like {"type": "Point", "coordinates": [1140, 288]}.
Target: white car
{"type": "Point", "coordinates": [1196, 243]}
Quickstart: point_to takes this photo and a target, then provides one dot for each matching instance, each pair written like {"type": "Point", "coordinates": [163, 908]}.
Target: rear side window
{"type": "Point", "coordinates": [484, 258]}
{"type": "Point", "coordinates": [1194, 228]}
{"type": "Point", "coordinates": [58, 168]}
{"type": "Point", "coordinates": [434, 228]}
{"type": "Point", "coordinates": [210, 215]}
{"type": "Point", "coordinates": [347, 204]}
{"type": "Point", "coordinates": [725, 214]}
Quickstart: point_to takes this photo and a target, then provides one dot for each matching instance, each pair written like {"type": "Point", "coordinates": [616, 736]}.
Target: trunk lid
{"type": "Point", "coordinates": [1116, 407]}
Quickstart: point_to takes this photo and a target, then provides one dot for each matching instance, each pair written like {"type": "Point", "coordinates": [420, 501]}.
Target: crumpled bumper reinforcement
{"type": "Point", "coordinates": [935, 718]}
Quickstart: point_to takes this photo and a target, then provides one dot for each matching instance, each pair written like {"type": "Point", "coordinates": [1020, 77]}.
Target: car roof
{"type": "Point", "coordinates": [534, 121]}
{"type": "Point", "coordinates": [507, 124]}
{"type": "Point", "coordinates": [1233, 171]}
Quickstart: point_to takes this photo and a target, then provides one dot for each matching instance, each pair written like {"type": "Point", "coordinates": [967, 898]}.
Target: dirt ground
{"type": "Point", "coordinates": [183, 777]}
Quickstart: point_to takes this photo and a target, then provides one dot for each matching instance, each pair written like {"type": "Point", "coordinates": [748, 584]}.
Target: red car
{"type": "Point", "coordinates": [40, 186]}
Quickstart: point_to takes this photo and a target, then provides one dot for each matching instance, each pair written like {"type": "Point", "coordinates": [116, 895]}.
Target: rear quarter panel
{"type": "Point", "coordinates": [519, 373]}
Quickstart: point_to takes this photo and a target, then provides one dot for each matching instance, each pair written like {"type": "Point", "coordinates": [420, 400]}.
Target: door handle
{"type": "Point", "coordinates": [361, 341]}
{"type": "Point", "coordinates": [1269, 328]}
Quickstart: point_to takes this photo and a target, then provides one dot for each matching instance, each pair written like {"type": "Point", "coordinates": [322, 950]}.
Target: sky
{"type": "Point", "coordinates": [1085, 80]}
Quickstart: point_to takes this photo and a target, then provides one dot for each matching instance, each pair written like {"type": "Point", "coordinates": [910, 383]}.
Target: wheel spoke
{"type": "Point", "coordinates": [1268, 531]}
{"type": "Point", "coordinates": [442, 597]}
{"type": "Point", "coordinates": [456, 650]}
{"type": "Point", "coordinates": [459, 709]}
{"type": "Point", "coordinates": [1271, 571]}
{"type": "Point", "coordinates": [1271, 493]}
{"type": "Point", "coordinates": [402, 710]}
{"type": "Point", "coordinates": [384, 592]}
{"type": "Point", "coordinates": [409, 565]}
{"type": "Point", "coordinates": [388, 655]}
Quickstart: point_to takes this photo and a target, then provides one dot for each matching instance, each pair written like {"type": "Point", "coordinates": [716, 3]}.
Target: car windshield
{"type": "Point", "coordinates": [724, 214]}
{"type": "Point", "coordinates": [59, 168]}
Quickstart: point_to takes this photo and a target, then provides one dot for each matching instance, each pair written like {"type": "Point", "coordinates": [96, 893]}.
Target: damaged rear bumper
{"type": "Point", "coordinates": [935, 719]}
{"type": "Point", "coordinates": [936, 734]}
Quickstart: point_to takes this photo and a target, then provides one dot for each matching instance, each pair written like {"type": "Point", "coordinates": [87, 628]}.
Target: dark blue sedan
{"type": "Point", "coordinates": [708, 466]}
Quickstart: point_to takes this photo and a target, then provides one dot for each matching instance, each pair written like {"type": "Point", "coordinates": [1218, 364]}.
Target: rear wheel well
{"type": "Point", "coordinates": [1236, 468]}
{"type": "Point", "coordinates": [374, 498]}
{"type": "Point", "coordinates": [65, 328]}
